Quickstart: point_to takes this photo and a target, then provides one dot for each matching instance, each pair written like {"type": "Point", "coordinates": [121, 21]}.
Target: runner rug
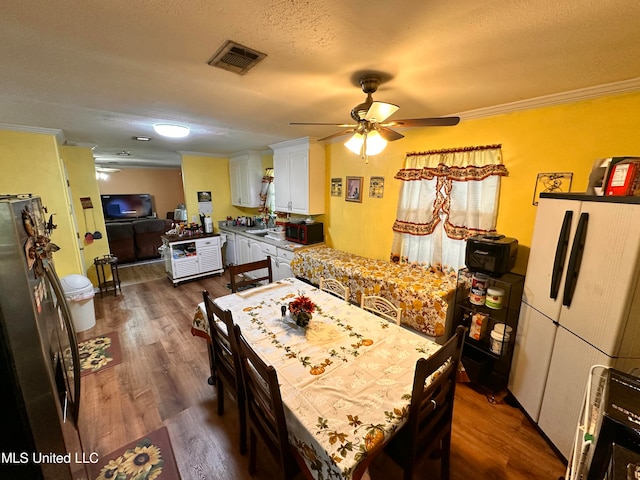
{"type": "Point", "coordinates": [148, 458]}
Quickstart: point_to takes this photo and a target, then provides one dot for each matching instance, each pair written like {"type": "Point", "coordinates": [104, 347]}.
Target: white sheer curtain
{"type": "Point", "coordinates": [446, 196]}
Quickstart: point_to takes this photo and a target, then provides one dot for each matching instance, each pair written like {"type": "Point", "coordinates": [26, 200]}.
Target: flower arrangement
{"type": "Point", "coordinates": [301, 309]}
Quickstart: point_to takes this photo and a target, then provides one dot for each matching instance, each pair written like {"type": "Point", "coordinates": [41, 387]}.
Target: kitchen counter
{"type": "Point", "coordinates": [286, 244]}
{"type": "Point", "coordinates": [178, 238]}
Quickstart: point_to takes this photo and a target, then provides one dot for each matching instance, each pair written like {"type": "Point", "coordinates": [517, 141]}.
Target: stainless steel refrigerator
{"type": "Point", "coordinates": [40, 395]}
{"type": "Point", "coordinates": [580, 307]}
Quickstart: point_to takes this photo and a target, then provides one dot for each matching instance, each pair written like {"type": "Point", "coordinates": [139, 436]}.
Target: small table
{"type": "Point", "coordinates": [103, 283]}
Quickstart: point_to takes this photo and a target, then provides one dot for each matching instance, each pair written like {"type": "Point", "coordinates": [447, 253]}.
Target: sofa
{"type": "Point", "coordinates": [136, 240]}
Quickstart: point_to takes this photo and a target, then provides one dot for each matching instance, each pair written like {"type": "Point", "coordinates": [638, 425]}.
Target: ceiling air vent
{"type": "Point", "coordinates": [236, 58]}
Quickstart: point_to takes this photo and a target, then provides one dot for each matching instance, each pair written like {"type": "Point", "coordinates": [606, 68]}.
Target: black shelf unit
{"type": "Point", "coordinates": [486, 368]}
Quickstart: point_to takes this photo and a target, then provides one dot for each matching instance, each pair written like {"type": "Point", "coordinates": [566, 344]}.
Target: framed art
{"type": "Point", "coordinates": [354, 189]}
{"type": "Point", "coordinates": [552, 182]}
{"type": "Point", "coordinates": [336, 187]}
{"type": "Point", "coordinates": [376, 187]}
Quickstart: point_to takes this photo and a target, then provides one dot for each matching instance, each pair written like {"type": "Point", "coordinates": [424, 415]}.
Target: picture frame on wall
{"type": "Point", "coordinates": [336, 187]}
{"type": "Point", "coordinates": [376, 187]}
{"type": "Point", "coordinates": [354, 189]}
{"type": "Point", "coordinates": [557, 182]}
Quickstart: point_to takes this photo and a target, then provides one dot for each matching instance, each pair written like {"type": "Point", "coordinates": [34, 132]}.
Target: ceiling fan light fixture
{"type": "Point", "coordinates": [375, 143]}
{"type": "Point", "coordinates": [355, 143]}
{"type": "Point", "coordinates": [171, 131]}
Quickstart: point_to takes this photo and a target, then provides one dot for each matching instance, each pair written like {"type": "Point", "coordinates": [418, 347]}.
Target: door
{"type": "Point", "coordinates": [257, 254]}
{"type": "Point", "coordinates": [244, 255]}
{"type": "Point", "coordinates": [531, 357]}
{"type": "Point", "coordinates": [235, 183]}
{"type": "Point", "coordinates": [299, 170]}
{"type": "Point", "coordinates": [607, 278]}
{"type": "Point", "coordinates": [550, 246]}
{"type": "Point", "coordinates": [564, 393]}
{"type": "Point", "coordinates": [282, 182]}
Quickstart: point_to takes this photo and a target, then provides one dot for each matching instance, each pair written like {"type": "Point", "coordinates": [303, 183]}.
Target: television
{"type": "Point", "coordinates": [126, 206]}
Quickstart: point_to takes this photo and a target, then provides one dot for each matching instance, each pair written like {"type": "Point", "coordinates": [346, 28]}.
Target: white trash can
{"type": "Point", "coordinates": [78, 290]}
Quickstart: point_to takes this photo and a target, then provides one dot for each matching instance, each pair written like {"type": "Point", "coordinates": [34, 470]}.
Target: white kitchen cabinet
{"type": "Point", "coordinates": [242, 250]}
{"type": "Point", "coordinates": [299, 176]}
{"type": "Point", "coordinates": [245, 178]}
{"type": "Point", "coordinates": [192, 258]}
{"type": "Point", "coordinates": [283, 264]}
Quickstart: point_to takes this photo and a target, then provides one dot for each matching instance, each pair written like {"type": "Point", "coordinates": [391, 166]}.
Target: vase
{"type": "Point", "coordinates": [301, 318]}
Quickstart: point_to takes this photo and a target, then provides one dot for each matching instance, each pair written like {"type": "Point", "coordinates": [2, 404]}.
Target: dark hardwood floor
{"type": "Point", "coordinates": [162, 380]}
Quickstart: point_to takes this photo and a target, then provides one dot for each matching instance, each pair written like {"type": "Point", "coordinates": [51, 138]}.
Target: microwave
{"type": "Point", "coordinates": [305, 233]}
{"type": "Point", "coordinates": [494, 254]}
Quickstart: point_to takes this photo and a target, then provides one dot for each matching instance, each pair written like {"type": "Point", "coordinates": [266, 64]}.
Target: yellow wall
{"type": "Point", "coordinates": [82, 181]}
{"type": "Point", "coordinates": [164, 185]}
{"type": "Point", "coordinates": [564, 138]}
{"type": "Point", "coordinates": [30, 163]}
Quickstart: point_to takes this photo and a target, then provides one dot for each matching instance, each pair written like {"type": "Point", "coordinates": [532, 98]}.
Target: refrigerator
{"type": "Point", "coordinates": [580, 306]}
{"type": "Point", "coordinates": [39, 358]}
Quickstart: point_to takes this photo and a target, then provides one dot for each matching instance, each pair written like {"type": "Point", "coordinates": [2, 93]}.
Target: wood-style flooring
{"type": "Point", "coordinates": [162, 380]}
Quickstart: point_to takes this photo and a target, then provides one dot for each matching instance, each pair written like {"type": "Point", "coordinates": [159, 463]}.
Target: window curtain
{"type": "Point", "coordinates": [446, 196]}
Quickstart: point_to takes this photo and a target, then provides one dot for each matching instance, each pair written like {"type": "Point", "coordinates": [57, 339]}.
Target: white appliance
{"type": "Point", "coordinates": [580, 307]}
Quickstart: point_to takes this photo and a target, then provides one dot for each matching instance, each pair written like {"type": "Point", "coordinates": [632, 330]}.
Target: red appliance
{"type": "Point", "coordinates": [624, 178]}
{"type": "Point", "coordinates": [305, 233]}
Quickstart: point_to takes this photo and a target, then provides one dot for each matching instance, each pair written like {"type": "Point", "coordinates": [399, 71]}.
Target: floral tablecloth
{"type": "Point", "coordinates": [345, 379]}
{"type": "Point", "coordinates": [423, 294]}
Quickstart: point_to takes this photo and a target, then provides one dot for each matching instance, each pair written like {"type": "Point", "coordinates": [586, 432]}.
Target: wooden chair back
{"type": "Point", "coordinates": [256, 267]}
{"type": "Point", "coordinates": [226, 361]}
{"type": "Point", "coordinates": [334, 287]}
{"type": "Point", "coordinates": [428, 427]}
{"type": "Point", "coordinates": [264, 409]}
{"type": "Point", "coordinates": [382, 307]}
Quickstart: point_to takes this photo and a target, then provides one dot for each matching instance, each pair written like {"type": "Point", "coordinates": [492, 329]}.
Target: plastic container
{"type": "Point", "coordinates": [494, 298]}
{"type": "Point", "coordinates": [500, 336]}
{"type": "Point", "coordinates": [478, 291]}
{"type": "Point", "coordinates": [78, 290]}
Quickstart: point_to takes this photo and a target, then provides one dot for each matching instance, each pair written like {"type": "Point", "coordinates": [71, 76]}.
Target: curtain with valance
{"type": "Point", "coordinates": [446, 196]}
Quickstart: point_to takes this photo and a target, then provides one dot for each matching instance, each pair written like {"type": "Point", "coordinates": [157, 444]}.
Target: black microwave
{"type": "Point", "coordinates": [492, 254]}
{"type": "Point", "coordinates": [305, 233]}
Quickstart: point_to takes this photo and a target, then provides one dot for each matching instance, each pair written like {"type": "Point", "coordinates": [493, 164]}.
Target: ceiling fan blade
{"type": "Point", "coordinates": [380, 111]}
{"type": "Point", "coordinates": [343, 125]}
{"type": "Point", "coordinates": [425, 122]}
{"type": "Point", "coordinates": [389, 135]}
{"type": "Point", "coordinates": [339, 134]}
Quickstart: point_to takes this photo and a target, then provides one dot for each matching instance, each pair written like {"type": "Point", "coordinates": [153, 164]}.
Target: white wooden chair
{"type": "Point", "coordinates": [334, 287]}
{"type": "Point", "coordinates": [382, 307]}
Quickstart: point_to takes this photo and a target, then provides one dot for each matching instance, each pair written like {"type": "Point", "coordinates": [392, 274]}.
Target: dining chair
{"type": "Point", "coordinates": [256, 267]}
{"type": "Point", "coordinates": [334, 287]}
{"type": "Point", "coordinates": [428, 427]}
{"type": "Point", "coordinates": [226, 362]}
{"type": "Point", "coordinates": [381, 306]}
{"type": "Point", "coordinates": [265, 412]}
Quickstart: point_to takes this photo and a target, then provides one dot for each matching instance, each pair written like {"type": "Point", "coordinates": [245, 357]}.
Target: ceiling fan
{"type": "Point", "coordinates": [370, 123]}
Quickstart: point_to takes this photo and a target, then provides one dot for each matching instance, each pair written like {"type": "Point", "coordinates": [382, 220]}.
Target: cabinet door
{"type": "Point", "coordinates": [234, 183]}
{"type": "Point", "coordinates": [244, 255]}
{"type": "Point", "coordinates": [282, 182]}
{"type": "Point", "coordinates": [257, 254]}
{"type": "Point", "coordinates": [185, 267]}
{"type": "Point", "coordinates": [284, 269]}
{"type": "Point", "coordinates": [299, 171]}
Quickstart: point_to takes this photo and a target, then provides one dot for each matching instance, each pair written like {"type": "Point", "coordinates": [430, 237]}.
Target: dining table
{"type": "Point", "coordinates": [345, 379]}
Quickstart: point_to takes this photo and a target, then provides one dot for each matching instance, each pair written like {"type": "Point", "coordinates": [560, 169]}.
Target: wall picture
{"type": "Point", "coordinates": [336, 187]}
{"type": "Point", "coordinates": [354, 189]}
{"type": "Point", "coordinates": [376, 187]}
{"type": "Point", "coordinates": [558, 182]}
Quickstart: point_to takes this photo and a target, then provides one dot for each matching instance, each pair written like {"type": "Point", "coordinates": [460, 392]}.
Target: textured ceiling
{"type": "Point", "coordinates": [103, 72]}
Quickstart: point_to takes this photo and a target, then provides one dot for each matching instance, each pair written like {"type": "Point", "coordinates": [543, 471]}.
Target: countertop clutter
{"type": "Point", "coordinates": [260, 234]}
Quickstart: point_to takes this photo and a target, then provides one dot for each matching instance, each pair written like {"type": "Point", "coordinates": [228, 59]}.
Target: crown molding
{"type": "Point", "coordinates": [56, 132]}
{"type": "Point", "coordinates": [625, 86]}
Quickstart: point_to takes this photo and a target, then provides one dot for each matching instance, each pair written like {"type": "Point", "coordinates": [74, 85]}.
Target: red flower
{"type": "Point", "coordinates": [302, 304]}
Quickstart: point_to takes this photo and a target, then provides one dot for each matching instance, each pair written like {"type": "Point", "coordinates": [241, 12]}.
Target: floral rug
{"type": "Point", "coordinates": [99, 353]}
{"type": "Point", "coordinates": [148, 458]}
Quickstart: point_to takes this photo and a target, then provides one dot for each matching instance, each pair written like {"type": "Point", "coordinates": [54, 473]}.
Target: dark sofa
{"type": "Point", "coordinates": [136, 240]}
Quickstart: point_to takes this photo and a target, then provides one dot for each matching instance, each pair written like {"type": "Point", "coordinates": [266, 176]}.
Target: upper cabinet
{"type": "Point", "coordinates": [299, 169]}
{"type": "Point", "coordinates": [245, 176]}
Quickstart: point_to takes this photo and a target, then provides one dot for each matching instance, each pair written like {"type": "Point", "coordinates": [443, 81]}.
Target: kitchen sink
{"type": "Point", "coordinates": [257, 231]}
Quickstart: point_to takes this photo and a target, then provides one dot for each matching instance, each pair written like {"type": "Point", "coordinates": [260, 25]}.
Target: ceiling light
{"type": "Point", "coordinates": [142, 139]}
{"type": "Point", "coordinates": [369, 143]}
{"type": "Point", "coordinates": [173, 131]}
